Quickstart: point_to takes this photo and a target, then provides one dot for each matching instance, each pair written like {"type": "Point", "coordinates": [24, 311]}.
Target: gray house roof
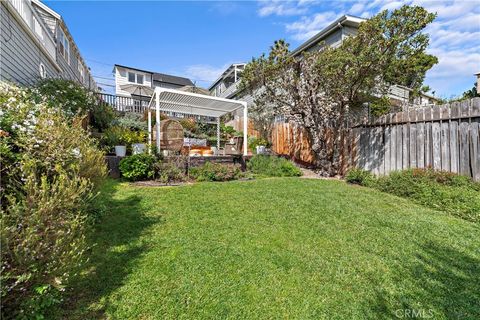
{"type": "Point", "coordinates": [162, 77]}
{"type": "Point", "coordinates": [167, 78]}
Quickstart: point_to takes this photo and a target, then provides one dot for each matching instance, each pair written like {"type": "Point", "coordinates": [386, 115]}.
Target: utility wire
{"type": "Point", "coordinates": [111, 64]}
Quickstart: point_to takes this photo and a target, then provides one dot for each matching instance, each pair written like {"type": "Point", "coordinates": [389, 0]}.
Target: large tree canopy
{"type": "Point", "coordinates": [320, 89]}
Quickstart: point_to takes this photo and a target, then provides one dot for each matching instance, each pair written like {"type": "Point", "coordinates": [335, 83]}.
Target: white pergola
{"type": "Point", "coordinates": [171, 100]}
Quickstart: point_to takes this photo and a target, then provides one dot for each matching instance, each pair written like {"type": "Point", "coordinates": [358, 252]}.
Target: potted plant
{"type": "Point", "coordinates": [115, 137]}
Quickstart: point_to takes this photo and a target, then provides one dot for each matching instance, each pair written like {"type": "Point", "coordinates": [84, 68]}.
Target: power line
{"type": "Point", "coordinates": [111, 64]}
{"type": "Point", "coordinates": [102, 77]}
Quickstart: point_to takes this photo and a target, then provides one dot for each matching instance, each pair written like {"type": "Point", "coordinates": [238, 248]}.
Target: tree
{"type": "Point", "coordinates": [472, 93]}
{"type": "Point", "coordinates": [320, 90]}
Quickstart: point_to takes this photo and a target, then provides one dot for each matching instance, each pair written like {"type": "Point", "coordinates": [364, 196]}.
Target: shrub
{"type": "Point", "coordinates": [50, 172]}
{"type": "Point", "coordinates": [132, 121]}
{"type": "Point", "coordinates": [455, 194]}
{"type": "Point", "coordinates": [169, 172]}
{"type": "Point", "coordinates": [359, 176]}
{"type": "Point", "coordinates": [75, 101]}
{"type": "Point", "coordinates": [137, 167]}
{"type": "Point", "coordinates": [216, 172]}
{"type": "Point", "coordinates": [273, 166]}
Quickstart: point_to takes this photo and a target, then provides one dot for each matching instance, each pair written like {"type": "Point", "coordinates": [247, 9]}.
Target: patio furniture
{"type": "Point", "coordinates": [170, 100]}
{"type": "Point", "coordinates": [234, 147]}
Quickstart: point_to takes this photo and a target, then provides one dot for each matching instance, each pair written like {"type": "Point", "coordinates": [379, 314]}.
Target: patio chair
{"type": "Point", "coordinates": [234, 148]}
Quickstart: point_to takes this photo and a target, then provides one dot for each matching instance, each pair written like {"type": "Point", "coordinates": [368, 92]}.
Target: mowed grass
{"type": "Point", "coordinates": [275, 248]}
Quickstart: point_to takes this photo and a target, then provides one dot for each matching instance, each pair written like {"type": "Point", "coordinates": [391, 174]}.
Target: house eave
{"type": "Point", "coordinates": [345, 20]}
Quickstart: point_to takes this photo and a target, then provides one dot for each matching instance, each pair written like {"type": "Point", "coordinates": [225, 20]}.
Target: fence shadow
{"type": "Point", "coordinates": [113, 255]}
{"type": "Point", "coordinates": [446, 281]}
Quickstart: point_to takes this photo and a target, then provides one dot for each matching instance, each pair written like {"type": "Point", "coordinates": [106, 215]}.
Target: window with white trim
{"type": "Point", "coordinates": [135, 77]}
{"type": "Point", "coordinates": [43, 71]}
{"type": "Point", "coordinates": [63, 45]}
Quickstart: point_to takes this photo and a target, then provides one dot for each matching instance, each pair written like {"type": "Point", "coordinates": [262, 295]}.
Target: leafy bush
{"type": "Point", "coordinates": [169, 172]}
{"type": "Point", "coordinates": [216, 172]}
{"type": "Point", "coordinates": [50, 171]}
{"type": "Point", "coordinates": [137, 167]}
{"type": "Point", "coordinates": [359, 176]}
{"type": "Point", "coordinates": [132, 121]}
{"type": "Point", "coordinates": [74, 100]}
{"type": "Point", "coordinates": [455, 194]}
{"type": "Point", "coordinates": [273, 166]}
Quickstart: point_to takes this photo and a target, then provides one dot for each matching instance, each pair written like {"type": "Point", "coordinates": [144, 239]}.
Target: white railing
{"type": "Point", "coordinates": [34, 23]}
{"type": "Point", "coordinates": [230, 90]}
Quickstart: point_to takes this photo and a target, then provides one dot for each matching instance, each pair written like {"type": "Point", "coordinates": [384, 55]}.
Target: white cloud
{"type": "Point", "coordinates": [305, 28]}
{"type": "Point", "coordinates": [283, 8]}
{"type": "Point", "coordinates": [204, 73]}
{"type": "Point", "coordinates": [454, 35]}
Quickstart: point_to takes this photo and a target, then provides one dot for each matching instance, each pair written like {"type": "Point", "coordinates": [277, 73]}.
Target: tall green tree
{"type": "Point", "coordinates": [321, 90]}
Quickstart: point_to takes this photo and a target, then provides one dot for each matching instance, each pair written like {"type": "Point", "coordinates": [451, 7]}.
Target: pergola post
{"type": "Point", "coordinates": [218, 134]}
{"type": "Point", "coordinates": [149, 129]}
{"type": "Point", "coordinates": [157, 118]}
{"type": "Point", "coordinates": [245, 129]}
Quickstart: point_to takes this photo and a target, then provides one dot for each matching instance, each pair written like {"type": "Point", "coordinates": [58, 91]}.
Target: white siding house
{"type": "Point", "coordinates": [35, 44]}
{"type": "Point", "coordinates": [125, 75]}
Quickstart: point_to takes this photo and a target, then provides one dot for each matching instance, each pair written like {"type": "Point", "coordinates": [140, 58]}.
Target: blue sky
{"type": "Point", "coordinates": [199, 39]}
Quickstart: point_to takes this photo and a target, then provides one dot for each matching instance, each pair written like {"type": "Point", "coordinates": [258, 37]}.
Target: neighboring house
{"type": "Point", "coordinates": [226, 85]}
{"type": "Point", "coordinates": [127, 75]}
{"type": "Point", "coordinates": [401, 95]}
{"type": "Point", "coordinates": [36, 44]}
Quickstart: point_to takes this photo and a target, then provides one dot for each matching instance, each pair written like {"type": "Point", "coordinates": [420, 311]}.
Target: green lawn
{"type": "Point", "coordinates": [276, 248]}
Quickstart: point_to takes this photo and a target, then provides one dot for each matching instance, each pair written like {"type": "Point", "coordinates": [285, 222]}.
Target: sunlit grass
{"type": "Point", "coordinates": [275, 248]}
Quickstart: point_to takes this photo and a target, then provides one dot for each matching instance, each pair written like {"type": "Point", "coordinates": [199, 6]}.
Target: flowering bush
{"type": "Point", "coordinates": [50, 170]}
{"type": "Point", "coordinates": [75, 101]}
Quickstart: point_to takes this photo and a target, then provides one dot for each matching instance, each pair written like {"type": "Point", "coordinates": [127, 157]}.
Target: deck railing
{"type": "Point", "coordinates": [124, 104]}
{"type": "Point", "coordinates": [136, 105]}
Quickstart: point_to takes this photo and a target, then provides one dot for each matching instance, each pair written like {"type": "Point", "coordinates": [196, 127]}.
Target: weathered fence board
{"type": "Point", "coordinates": [443, 137]}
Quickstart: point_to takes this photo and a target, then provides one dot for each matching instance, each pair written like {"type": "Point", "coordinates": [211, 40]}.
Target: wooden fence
{"type": "Point", "coordinates": [442, 137]}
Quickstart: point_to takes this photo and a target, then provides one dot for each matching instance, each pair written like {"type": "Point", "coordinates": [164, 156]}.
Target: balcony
{"type": "Point", "coordinates": [230, 90]}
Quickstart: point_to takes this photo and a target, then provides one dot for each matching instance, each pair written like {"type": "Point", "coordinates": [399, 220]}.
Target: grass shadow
{"type": "Point", "coordinates": [115, 248]}
{"type": "Point", "coordinates": [442, 283]}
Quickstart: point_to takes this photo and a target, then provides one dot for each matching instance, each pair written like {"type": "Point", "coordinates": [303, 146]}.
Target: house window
{"type": "Point", "coordinates": [135, 77]}
{"type": "Point", "coordinates": [63, 45]}
{"type": "Point", "coordinates": [131, 77]}
{"type": "Point", "coordinates": [43, 71]}
{"type": "Point", "coordinates": [81, 71]}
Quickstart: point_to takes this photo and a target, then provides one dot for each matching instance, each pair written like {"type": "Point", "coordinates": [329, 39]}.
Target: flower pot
{"type": "Point", "coordinates": [138, 148]}
{"type": "Point", "coordinates": [261, 150]}
{"type": "Point", "coordinates": [120, 151]}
